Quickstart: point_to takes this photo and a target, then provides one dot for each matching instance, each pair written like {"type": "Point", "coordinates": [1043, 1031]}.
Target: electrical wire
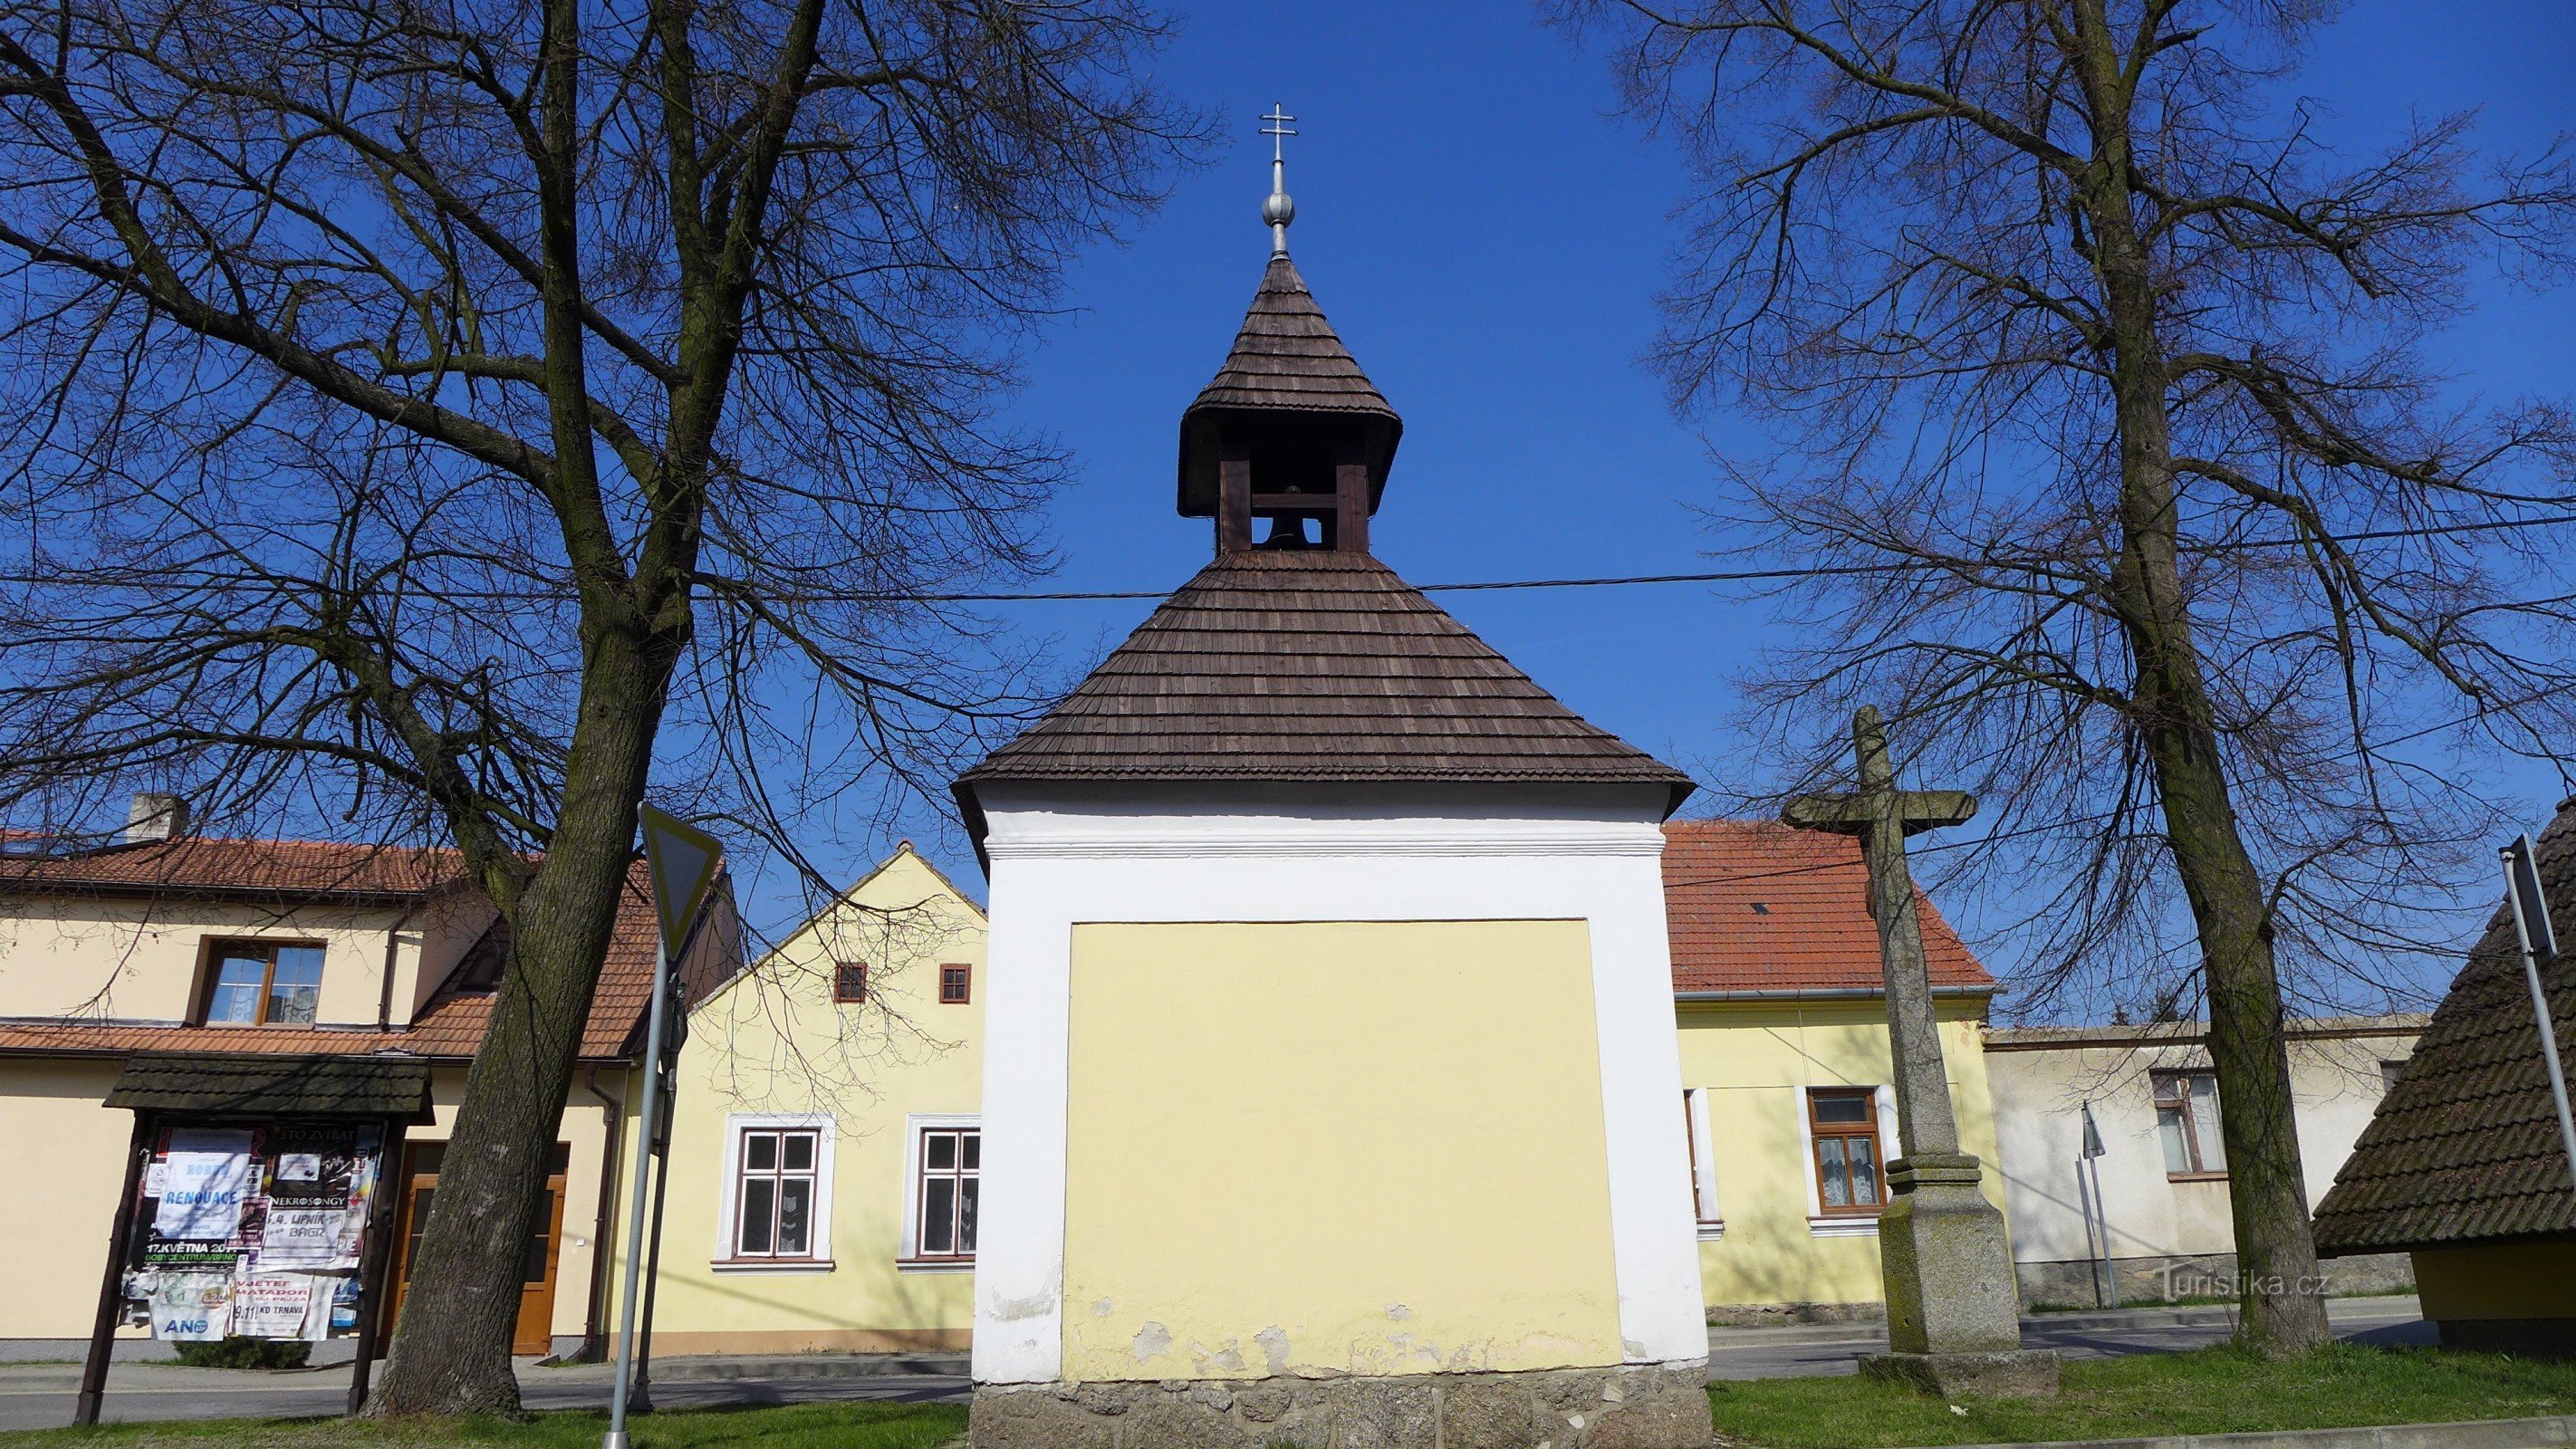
{"type": "Point", "coordinates": [1051, 596]}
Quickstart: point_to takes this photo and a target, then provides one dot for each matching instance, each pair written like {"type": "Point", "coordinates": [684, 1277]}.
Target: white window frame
{"type": "Point", "coordinates": [1821, 1224]}
{"type": "Point", "coordinates": [1712, 1223]}
{"type": "Point", "coordinates": [826, 1131]}
{"type": "Point", "coordinates": [908, 1258]}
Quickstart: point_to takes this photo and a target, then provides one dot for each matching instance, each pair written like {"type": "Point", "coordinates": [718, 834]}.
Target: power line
{"type": "Point", "coordinates": [1712, 576]}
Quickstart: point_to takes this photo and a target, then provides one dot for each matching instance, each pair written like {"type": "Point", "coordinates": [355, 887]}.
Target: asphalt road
{"type": "Point", "coordinates": [40, 1396]}
{"type": "Point", "coordinates": [34, 1396]}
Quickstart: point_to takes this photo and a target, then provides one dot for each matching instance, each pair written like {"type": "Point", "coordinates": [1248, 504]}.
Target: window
{"type": "Point", "coordinates": [774, 1200]}
{"type": "Point", "coordinates": [849, 984]}
{"type": "Point", "coordinates": [952, 1161]}
{"type": "Point", "coordinates": [480, 970]}
{"type": "Point", "coordinates": [2187, 1118]}
{"type": "Point", "coordinates": [953, 984]}
{"type": "Point", "coordinates": [1844, 1126]}
{"type": "Point", "coordinates": [258, 983]}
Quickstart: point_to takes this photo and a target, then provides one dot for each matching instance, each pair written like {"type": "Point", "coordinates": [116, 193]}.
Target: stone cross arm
{"type": "Point", "coordinates": [1918, 810]}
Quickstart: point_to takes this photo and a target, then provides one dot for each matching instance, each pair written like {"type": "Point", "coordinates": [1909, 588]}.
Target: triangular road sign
{"type": "Point", "coordinates": [683, 860]}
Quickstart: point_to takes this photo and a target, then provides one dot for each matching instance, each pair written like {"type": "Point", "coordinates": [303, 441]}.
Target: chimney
{"type": "Point", "coordinates": [155, 817]}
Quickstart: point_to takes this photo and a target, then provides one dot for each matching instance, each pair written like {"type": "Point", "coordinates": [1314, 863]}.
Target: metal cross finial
{"type": "Point", "coordinates": [1277, 210]}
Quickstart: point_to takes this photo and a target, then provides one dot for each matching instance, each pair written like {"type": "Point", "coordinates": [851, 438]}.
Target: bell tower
{"type": "Point", "coordinates": [1290, 430]}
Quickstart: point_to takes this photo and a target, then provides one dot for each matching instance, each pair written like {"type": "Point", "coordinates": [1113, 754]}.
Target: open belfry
{"type": "Point", "coordinates": [1332, 1094]}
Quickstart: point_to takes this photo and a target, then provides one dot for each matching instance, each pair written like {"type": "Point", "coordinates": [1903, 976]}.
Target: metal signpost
{"type": "Point", "coordinates": [682, 862]}
{"type": "Point", "coordinates": [2539, 947]}
{"type": "Point", "coordinates": [2106, 1289]}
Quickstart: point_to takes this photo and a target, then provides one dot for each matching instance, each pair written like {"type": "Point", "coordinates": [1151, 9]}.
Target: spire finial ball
{"type": "Point", "coordinates": [1278, 209]}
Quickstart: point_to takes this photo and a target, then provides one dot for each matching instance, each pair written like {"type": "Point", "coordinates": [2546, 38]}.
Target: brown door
{"type": "Point", "coordinates": [535, 1331]}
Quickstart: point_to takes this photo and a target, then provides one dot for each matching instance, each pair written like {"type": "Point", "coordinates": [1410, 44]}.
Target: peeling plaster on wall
{"type": "Point", "coordinates": [1152, 1341]}
{"type": "Point", "coordinates": [1036, 1305]}
{"type": "Point", "coordinates": [1103, 1307]}
{"type": "Point", "coordinates": [1274, 1348]}
{"type": "Point", "coordinates": [1398, 1312]}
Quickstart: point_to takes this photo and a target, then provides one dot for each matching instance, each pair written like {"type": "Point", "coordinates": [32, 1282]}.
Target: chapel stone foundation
{"type": "Point", "coordinates": [1636, 1407]}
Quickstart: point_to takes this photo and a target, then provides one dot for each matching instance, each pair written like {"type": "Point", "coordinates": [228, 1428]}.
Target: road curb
{"type": "Point", "coordinates": [2468, 1434]}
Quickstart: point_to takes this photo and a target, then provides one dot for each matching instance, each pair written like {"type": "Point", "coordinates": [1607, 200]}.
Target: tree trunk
{"type": "Point", "coordinates": [2283, 1309]}
{"type": "Point", "coordinates": [451, 1351]}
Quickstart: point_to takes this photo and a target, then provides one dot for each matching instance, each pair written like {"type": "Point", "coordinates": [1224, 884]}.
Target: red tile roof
{"type": "Point", "coordinates": [1755, 906]}
{"type": "Point", "coordinates": [193, 865]}
{"type": "Point", "coordinates": [452, 1023]}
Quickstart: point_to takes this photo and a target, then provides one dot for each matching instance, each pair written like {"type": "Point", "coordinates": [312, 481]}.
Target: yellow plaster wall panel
{"type": "Point", "coordinates": [70, 1152]}
{"type": "Point", "coordinates": [1336, 1147]}
{"type": "Point", "coordinates": [2498, 1280]}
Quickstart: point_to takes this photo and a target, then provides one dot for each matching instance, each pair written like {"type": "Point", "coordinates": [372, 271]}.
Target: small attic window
{"type": "Point", "coordinates": [480, 972]}
{"type": "Point", "coordinates": [849, 984]}
{"type": "Point", "coordinates": [1760, 909]}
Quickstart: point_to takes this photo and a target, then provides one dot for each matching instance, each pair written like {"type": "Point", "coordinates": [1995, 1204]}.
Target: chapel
{"type": "Point", "coordinates": [1332, 1092]}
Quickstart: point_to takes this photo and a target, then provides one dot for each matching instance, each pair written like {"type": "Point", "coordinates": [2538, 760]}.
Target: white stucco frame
{"type": "Point", "coordinates": [1070, 854]}
{"type": "Point", "coordinates": [1712, 1222]}
{"type": "Point", "coordinates": [827, 1130]}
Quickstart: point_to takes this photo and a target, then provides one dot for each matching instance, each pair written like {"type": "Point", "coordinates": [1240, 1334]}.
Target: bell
{"type": "Point", "coordinates": [1287, 530]}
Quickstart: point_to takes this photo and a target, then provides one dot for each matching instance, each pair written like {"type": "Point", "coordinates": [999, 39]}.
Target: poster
{"type": "Point", "coordinates": [272, 1305]}
{"type": "Point", "coordinates": [191, 1307]}
{"type": "Point", "coordinates": [299, 1237]}
{"type": "Point", "coordinates": [204, 1183]}
{"type": "Point", "coordinates": [253, 1232]}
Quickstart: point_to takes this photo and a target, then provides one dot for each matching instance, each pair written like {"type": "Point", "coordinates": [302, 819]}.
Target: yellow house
{"type": "Point", "coordinates": [826, 1149]}
{"type": "Point", "coordinates": [1786, 1065]}
{"type": "Point", "coordinates": [170, 947]}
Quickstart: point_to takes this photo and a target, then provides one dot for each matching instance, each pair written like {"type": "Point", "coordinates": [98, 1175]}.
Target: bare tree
{"type": "Point", "coordinates": [2101, 412]}
{"type": "Point", "coordinates": [447, 417]}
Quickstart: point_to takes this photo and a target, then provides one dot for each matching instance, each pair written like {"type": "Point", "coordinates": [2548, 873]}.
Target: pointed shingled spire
{"type": "Point", "coordinates": [1288, 370]}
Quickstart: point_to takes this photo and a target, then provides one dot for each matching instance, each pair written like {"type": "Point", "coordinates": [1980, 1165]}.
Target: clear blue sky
{"type": "Point", "coordinates": [1487, 239]}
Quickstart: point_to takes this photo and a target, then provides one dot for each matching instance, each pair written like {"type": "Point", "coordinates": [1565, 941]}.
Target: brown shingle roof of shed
{"type": "Point", "coordinates": [2464, 1148]}
{"type": "Point", "coordinates": [1312, 665]}
{"type": "Point", "coordinates": [276, 1086]}
{"type": "Point", "coordinates": [1758, 908]}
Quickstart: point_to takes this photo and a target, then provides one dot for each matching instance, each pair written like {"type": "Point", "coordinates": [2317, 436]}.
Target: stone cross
{"type": "Point", "coordinates": [1953, 1315]}
{"type": "Point", "coordinates": [1882, 816]}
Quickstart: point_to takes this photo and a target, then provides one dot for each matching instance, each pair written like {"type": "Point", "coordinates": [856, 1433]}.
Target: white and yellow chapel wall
{"type": "Point", "coordinates": [1534, 938]}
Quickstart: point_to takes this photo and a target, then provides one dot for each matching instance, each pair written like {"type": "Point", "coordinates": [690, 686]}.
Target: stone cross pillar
{"type": "Point", "coordinates": [1953, 1314]}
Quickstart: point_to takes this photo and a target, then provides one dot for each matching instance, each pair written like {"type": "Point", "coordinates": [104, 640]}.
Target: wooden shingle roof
{"type": "Point", "coordinates": [275, 1086]}
{"type": "Point", "coordinates": [2464, 1148]}
{"type": "Point", "coordinates": [1286, 359]}
{"type": "Point", "coordinates": [1311, 665]}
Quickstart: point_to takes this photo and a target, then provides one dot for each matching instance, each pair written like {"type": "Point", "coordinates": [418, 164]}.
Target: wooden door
{"type": "Point", "coordinates": [534, 1333]}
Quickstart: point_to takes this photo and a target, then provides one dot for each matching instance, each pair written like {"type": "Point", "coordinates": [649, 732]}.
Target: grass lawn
{"type": "Point", "coordinates": [795, 1426]}
{"type": "Point", "coordinates": [2207, 1391]}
